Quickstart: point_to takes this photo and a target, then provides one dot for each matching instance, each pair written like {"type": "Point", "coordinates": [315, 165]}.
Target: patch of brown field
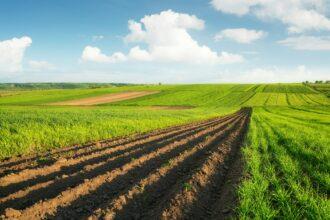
{"type": "Point", "coordinates": [168, 107]}
{"type": "Point", "coordinates": [183, 172]}
{"type": "Point", "coordinates": [108, 98]}
{"type": "Point", "coordinates": [4, 94]}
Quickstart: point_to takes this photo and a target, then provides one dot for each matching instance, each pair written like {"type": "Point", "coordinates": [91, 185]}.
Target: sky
{"type": "Point", "coordinates": [172, 41]}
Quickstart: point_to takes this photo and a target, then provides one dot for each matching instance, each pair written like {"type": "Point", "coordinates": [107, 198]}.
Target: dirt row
{"type": "Point", "coordinates": [182, 172]}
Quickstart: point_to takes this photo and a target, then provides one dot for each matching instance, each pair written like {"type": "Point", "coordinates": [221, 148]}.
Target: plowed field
{"type": "Point", "coordinates": [106, 98]}
{"type": "Point", "coordinates": [183, 172]}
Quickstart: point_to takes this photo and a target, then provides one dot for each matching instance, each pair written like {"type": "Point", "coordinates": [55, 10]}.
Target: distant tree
{"type": "Point", "coordinates": [160, 83]}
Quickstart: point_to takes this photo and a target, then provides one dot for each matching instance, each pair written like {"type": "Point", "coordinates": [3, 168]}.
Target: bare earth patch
{"type": "Point", "coordinates": [108, 98]}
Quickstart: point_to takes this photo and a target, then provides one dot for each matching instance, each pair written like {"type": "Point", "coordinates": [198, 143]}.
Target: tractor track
{"type": "Point", "coordinates": [169, 173]}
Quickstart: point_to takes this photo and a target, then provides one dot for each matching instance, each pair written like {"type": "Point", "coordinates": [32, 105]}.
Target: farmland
{"type": "Point", "coordinates": [84, 161]}
{"type": "Point", "coordinates": [323, 88]}
{"type": "Point", "coordinates": [287, 158]}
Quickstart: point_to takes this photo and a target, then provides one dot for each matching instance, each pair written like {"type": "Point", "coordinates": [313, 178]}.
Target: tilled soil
{"type": "Point", "coordinates": [182, 172]}
{"type": "Point", "coordinates": [108, 98]}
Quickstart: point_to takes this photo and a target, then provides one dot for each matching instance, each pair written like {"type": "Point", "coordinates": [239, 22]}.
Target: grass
{"type": "Point", "coordinates": [288, 163]}
{"type": "Point", "coordinates": [35, 129]}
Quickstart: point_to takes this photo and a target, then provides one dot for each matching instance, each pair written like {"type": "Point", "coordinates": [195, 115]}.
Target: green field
{"type": "Point", "coordinates": [35, 129]}
{"type": "Point", "coordinates": [287, 152]}
{"type": "Point", "coordinates": [288, 162]}
{"type": "Point", "coordinates": [323, 88]}
{"type": "Point", "coordinates": [29, 124]}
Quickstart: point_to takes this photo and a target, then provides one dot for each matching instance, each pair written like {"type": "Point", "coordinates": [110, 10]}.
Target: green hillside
{"type": "Point", "coordinates": [28, 124]}
{"type": "Point", "coordinates": [233, 96]}
{"type": "Point", "coordinates": [222, 95]}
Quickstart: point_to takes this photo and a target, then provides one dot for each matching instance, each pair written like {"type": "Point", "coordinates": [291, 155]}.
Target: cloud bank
{"type": "Point", "coordinates": [273, 75]}
{"type": "Point", "coordinates": [307, 43]}
{"type": "Point", "coordinates": [298, 15]}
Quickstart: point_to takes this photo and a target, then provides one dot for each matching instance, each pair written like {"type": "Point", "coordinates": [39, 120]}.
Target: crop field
{"type": "Point", "coordinates": [288, 162]}
{"type": "Point", "coordinates": [324, 88]}
{"type": "Point", "coordinates": [247, 151]}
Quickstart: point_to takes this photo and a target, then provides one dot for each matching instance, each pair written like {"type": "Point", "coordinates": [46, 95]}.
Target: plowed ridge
{"type": "Point", "coordinates": [179, 172]}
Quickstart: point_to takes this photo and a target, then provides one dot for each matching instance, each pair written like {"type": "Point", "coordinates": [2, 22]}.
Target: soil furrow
{"type": "Point", "coordinates": [155, 184]}
{"type": "Point", "coordinates": [40, 209]}
{"type": "Point", "coordinates": [86, 204]}
{"type": "Point", "coordinates": [176, 180]}
{"type": "Point", "coordinates": [212, 190]}
{"type": "Point", "coordinates": [68, 167]}
{"type": "Point", "coordinates": [196, 201]}
{"type": "Point", "coordinates": [165, 174]}
{"type": "Point", "coordinates": [65, 181]}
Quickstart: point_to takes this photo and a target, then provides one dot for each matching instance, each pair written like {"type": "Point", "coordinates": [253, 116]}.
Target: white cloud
{"type": "Point", "coordinates": [12, 53]}
{"type": "Point", "coordinates": [137, 34]}
{"type": "Point", "coordinates": [274, 75]}
{"type": "Point", "coordinates": [240, 35]}
{"type": "Point", "coordinates": [167, 38]}
{"type": "Point", "coordinates": [238, 7]}
{"type": "Point", "coordinates": [298, 15]}
{"type": "Point", "coordinates": [138, 54]}
{"type": "Point", "coordinates": [307, 43]}
{"type": "Point", "coordinates": [97, 37]}
{"type": "Point", "coordinates": [94, 54]}
{"type": "Point", "coordinates": [40, 65]}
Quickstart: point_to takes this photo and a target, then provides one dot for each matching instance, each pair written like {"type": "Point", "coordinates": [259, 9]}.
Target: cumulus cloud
{"type": "Point", "coordinates": [94, 54]}
{"type": "Point", "coordinates": [137, 34]}
{"type": "Point", "coordinates": [12, 53]}
{"type": "Point", "coordinates": [274, 75]}
{"type": "Point", "coordinates": [138, 54]}
{"type": "Point", "coordinates": [307, 42]}
{"type": "Point", "coordinates": [298, 15]}
{"type": "Point", "coordinates": [167, 39]}
{"type": "Point", "coordinates": [240, 35]}
{"type": "Point", "coordinates": [40, 65]}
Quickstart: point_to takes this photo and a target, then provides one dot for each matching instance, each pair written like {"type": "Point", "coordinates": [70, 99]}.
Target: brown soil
{"type": "Point", "coordinates": [114, 97]}
{"type": "Point", "coordinates": [182, 172]}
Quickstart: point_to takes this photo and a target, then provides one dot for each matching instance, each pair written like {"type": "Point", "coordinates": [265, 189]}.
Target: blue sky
{"type": "Point", "coordinates": [178, 41]}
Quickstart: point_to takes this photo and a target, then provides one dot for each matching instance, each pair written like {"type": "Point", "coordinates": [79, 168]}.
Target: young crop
{"type": "Point", "coordinates": [187, 186]}
{"type": "Point", "coordinates": [30, 128]}
{"type": "Point", "coordinates": [288, 161]}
